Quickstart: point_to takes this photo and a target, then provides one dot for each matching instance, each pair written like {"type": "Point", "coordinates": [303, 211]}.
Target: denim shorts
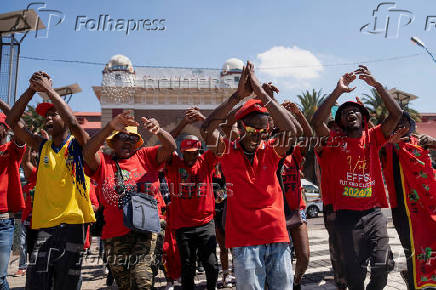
{"type": "Point", "coordinates": [303, 215]}
{"type": "Point", "coordinates": [257, 266]}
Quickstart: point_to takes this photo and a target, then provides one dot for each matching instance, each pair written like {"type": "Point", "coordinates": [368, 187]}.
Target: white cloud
{"type": "Point", "coordinates": [285, 62]}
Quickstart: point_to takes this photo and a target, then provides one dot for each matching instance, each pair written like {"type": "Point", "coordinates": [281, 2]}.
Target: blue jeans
{"type": "Point", "coordinates": [23, 250]}
{"type": "Point", "coordinates": [6, 240]}
{"type": "Point", "coordinates": [263, 265]}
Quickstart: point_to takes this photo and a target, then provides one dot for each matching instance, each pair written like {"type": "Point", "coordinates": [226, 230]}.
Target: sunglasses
{"type": "Point", "coordinates": [252, 130]}
{"type": "Point", "coordinates": [127, 137]}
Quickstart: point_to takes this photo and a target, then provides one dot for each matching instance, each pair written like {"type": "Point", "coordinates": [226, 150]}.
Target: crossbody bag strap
{"type": "Point", "coordinates": [120, 187]}
{"type": "Point", "coordinates": [282, 186]}
{"type": "Point", "coordinates": [298, 177]}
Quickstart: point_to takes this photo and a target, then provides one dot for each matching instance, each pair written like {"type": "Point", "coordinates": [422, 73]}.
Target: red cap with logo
{"type": "Point", "coordinates": [250, 106]}
{"type": "Point", "coordinates": [190, 145]}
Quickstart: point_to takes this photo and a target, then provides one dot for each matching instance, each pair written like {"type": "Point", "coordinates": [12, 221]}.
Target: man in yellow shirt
{"type": "Point", "coordinates": [62, 207]}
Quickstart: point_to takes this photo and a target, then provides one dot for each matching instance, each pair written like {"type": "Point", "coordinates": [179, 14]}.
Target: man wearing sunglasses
{"type": "Point", "coordinates": [255, 223]}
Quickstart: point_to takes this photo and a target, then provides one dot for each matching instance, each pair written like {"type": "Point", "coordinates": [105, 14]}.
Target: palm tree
{"type": "Point", "coordinates": [378, 110]}
{"type": "Point", "coordinates": [309, 102]}
{"type": "Point", "coordinates": [33, 120]}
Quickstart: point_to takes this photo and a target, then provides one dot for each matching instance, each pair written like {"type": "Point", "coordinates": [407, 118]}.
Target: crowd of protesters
{"type": "Point", "coordinates": [236, 186]}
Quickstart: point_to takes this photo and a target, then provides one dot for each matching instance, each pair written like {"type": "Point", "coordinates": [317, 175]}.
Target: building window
{"type": "Point", "coordinates": [118, 77]}
{"type": "Point", "coordinates": [236, 79]}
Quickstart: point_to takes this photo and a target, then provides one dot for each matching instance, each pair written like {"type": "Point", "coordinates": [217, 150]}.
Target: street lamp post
{"type": "Point", "coordinates": [419, 42]}
{"type": "Point", "coordinates": [11, 25]}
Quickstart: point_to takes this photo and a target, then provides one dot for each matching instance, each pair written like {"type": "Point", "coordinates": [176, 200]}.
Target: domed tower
{"type": "Point", "coordinates": [231, 73]}
{"type": "Point", "coordinates": [119, 72]}
{"type": "Point", "coordinates": [119, 80]}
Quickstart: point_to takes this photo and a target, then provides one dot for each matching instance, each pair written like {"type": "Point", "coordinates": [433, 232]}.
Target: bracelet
{"type": "Point", "coordinates": [267, 103]}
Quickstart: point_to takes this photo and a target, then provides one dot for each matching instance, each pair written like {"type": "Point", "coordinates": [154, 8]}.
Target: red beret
{"type": "Point", "coordinates": [252, 105]}
{"type": "Point", "coordinates": [43, 108]}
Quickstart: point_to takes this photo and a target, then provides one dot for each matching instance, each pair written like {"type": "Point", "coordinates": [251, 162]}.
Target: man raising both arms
{"type": "Point", "coordinates": [352, 169]}
{"type": "Point", "coordinates": [255, 223]}
{"type": "Point", "coordinates": [61, 206]}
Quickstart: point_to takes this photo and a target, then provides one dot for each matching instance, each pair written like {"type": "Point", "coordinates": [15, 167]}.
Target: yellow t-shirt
{"type": "Point", "coordinates": [62, 188]}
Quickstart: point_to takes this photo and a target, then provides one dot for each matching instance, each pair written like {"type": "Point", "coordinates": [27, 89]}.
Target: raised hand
{"type": "Point", "coordinates": [244, 85]}
{"type": "Point", "coordinates": [193, 115]}
{"type": "Point", "coordinates": [397, 137]}
{"type": "Point", "coordinates": [365, 74]}
{"type": "Point", "coordinates": [41, 82]}
{"type": "Point", "coordinates": [269, 88]}
{"type": "Point", "coordinates": [344, 82]}
{"type": "Point", "coordinates": [427, 141]}
{"type": "Point", "coordinates": [152, 125]}
{"type": "Point", "coordinates": [123, 120]}
{"type": "Point", "coordinates": [255, 84]}
{"type": "Point", "coordinates": [291, 107]}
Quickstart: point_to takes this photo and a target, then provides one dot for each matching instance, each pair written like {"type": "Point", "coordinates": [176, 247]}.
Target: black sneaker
{"type": "Point", "coordinates": [297, 287]}
{"type": "Point", "coordinates": [109, 279]}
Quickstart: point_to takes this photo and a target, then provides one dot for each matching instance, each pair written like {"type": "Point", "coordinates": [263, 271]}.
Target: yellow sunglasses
{"type": "Point", "coordinates": [252, 130]}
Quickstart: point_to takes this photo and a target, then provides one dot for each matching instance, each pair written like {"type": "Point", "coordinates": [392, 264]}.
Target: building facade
{"type": "Point", "coordinates": [163, 93]}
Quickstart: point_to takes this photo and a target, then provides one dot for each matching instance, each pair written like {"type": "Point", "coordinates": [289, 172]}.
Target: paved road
{"type": "Point", "coordinates": [318, 275]}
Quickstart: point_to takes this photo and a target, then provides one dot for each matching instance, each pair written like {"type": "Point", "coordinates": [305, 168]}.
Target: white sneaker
{"type": "Point", "coordinates": [228, 280]}
{"type": "Point", "coordinates": [170, 286]}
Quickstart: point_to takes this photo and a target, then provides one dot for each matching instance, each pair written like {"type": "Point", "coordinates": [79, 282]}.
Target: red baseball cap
{"type": "Point", "coordinates": [43, 108]}
{"type": "Point", "coordinates": [3, 120]}
{"type": "Point", "coordinates": [252, 105]}
{"type": "Point", "coordinates": [190, 145]}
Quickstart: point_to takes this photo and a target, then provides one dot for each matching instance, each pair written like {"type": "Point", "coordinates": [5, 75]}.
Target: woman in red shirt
{"type": "Point", "coordinates": [129, 252]}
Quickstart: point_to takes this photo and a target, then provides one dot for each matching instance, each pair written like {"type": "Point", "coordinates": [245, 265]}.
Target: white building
{"type": "Point", "coordinates": [164, 93]}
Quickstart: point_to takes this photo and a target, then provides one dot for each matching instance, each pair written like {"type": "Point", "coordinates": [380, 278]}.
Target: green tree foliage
{"type": "Point", "coordinates": [374, 103]}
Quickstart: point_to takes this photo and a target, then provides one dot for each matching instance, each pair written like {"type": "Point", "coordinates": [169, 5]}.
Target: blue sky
{"type": "Point", "coordinates": [308, 40]}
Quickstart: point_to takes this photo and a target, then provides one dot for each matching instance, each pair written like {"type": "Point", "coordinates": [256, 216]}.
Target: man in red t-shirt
{"type": "Point", "coordinates": [255, 221]}
{"type": "Point", "coordinates": [355, 182]}
{"type": "Point", "coordinates": [192, 207]}
{"type": "Point", "coordinates": [11, 195]}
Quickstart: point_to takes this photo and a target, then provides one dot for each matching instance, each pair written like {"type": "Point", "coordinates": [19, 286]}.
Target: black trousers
{"type": "Point", "coordinates": [56, 259]}
{"type": "Point", "coordinates": [363, 237]}
{"type": "Point", "coordinates": [335, 254]}
{"type": "Point", "coordinates": [203, 239]}
{"type": "Point", "coordinates": [401, 224]}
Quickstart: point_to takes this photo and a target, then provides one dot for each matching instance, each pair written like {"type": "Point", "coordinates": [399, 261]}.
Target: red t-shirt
{"type": "Point", "coordinates": [388, 173]}
{"type": "Point", "coordinates": [192, 200]}
{"type": "Point", "coordinates": [93, 195]}
{"type": "Point", "coordinates": [11, 193]}
{"type": "Point", "coordinates": [29, 190]}
{"type": "Point", "coordinates": [326, 197]}
{"type": "Point", "coordinates": [255, 214]}
{"type": "Point", "coordinates": [352, 171]}
{"type": "Point", "coordinates": [139, 171]}
{"type": "Point", "coordinates": [292, 179]}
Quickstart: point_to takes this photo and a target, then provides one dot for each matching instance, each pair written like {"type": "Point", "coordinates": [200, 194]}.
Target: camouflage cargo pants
{"type": "Point", "coordinates": [130, 258]}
